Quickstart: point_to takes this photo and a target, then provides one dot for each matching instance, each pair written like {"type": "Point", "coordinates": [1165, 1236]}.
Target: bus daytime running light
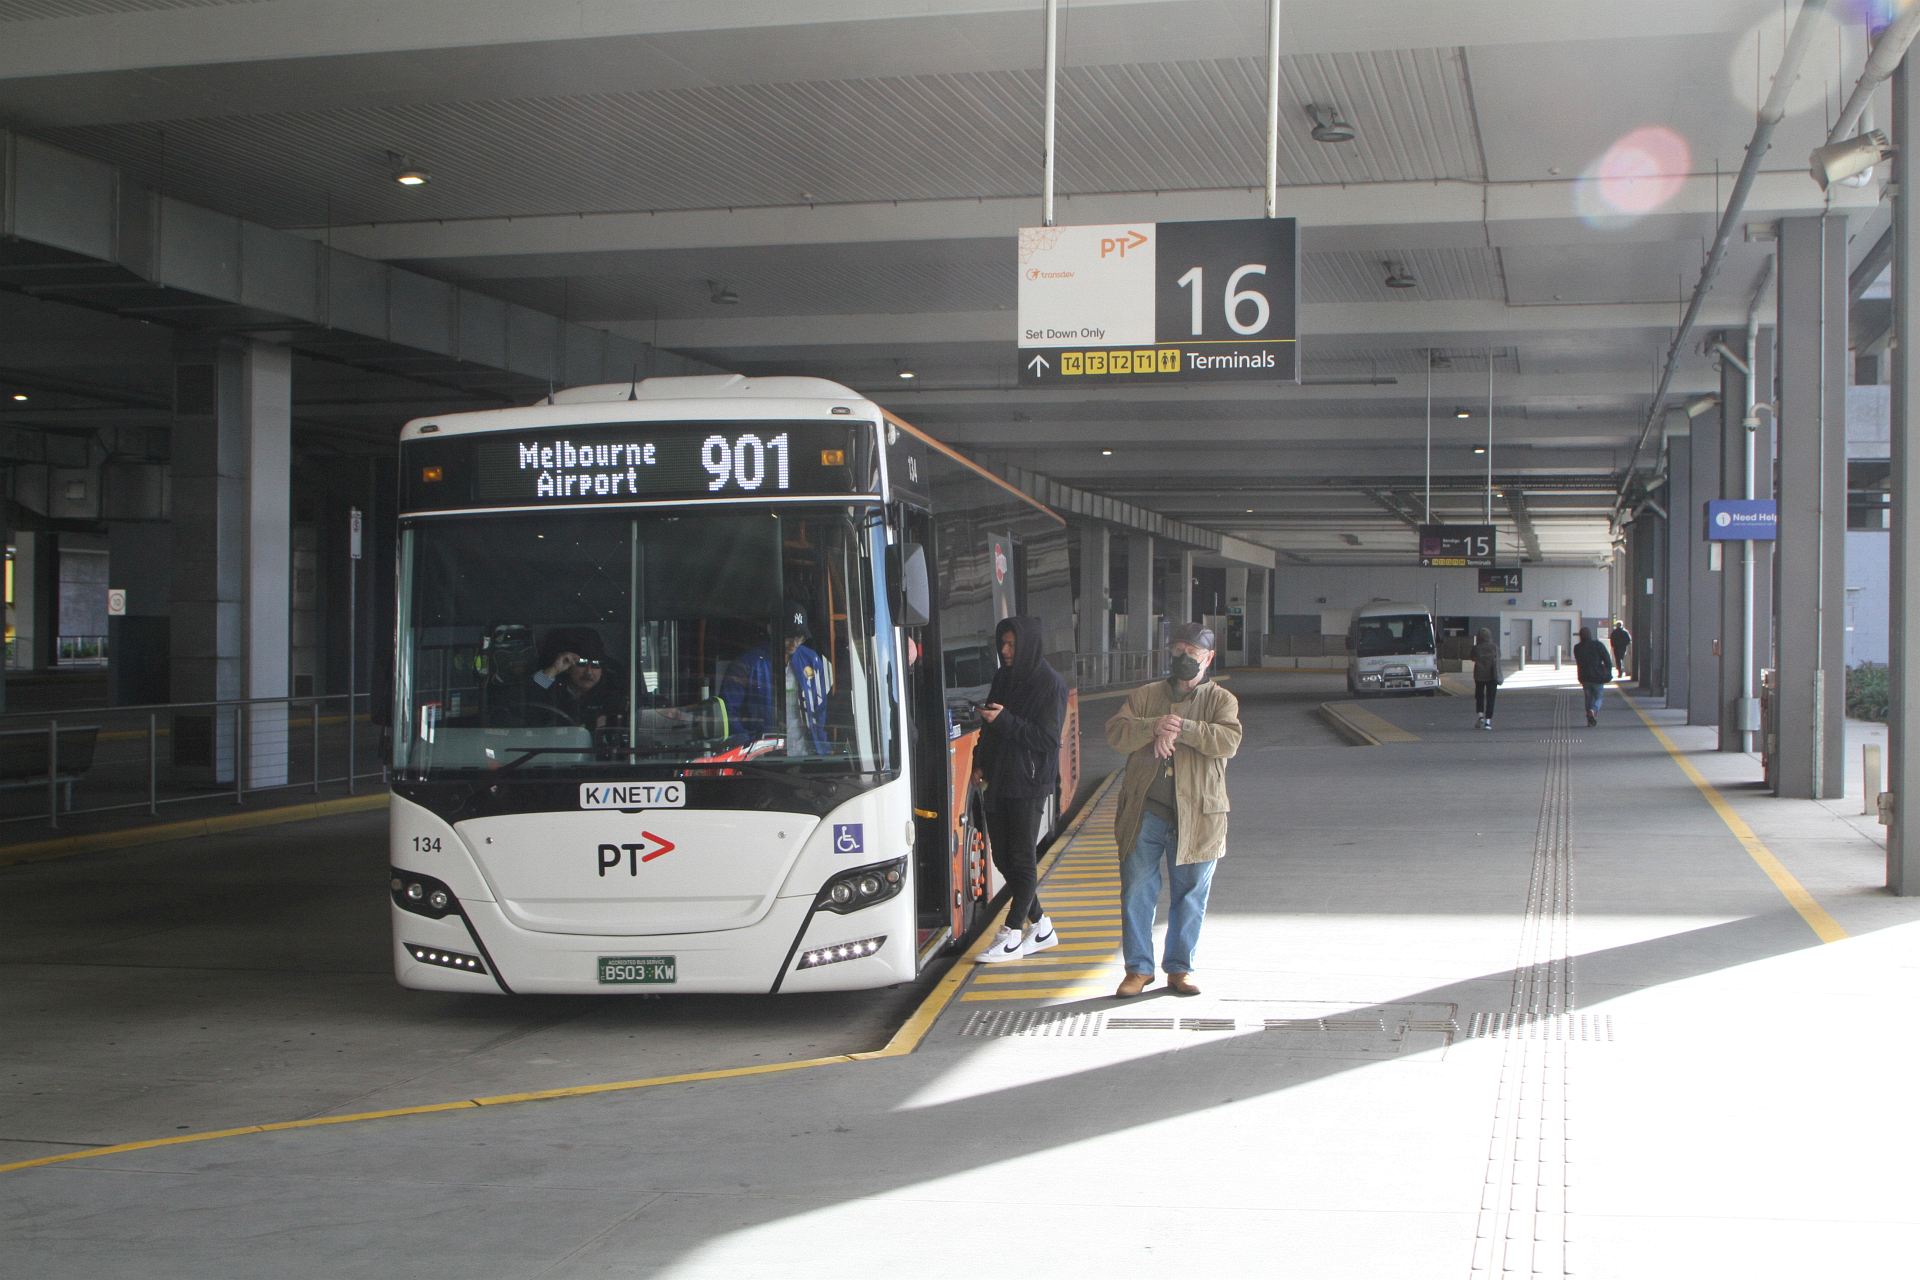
{"type": "Point", "coordinates": [842, 951]}
{"type": "Point", "coordinates": [445, 959]}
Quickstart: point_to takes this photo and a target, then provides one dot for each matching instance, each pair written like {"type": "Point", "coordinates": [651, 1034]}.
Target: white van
{"type": "Point", "coordinates": [1391, 647]}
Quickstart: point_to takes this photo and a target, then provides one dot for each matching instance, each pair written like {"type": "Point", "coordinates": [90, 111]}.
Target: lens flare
{"type": "Point", "coordinates": [1638, 174]}
{"type": "Point", "coordinates": [1835, 42]}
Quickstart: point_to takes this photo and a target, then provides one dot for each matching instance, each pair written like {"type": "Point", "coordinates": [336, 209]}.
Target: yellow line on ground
{"type": "Point", "coordinates": [1039, 975]}
{"type": "Point", "coordinates": [1825, 926]}
{"type": "Point", "coordinates": [904, 1041]}
{"type": "Point", "coordinates": [1036, 993]}
{"type": "Point", "coordinates": [100, 841]}
{"type": "Point", "coordinates": [1030, 970]}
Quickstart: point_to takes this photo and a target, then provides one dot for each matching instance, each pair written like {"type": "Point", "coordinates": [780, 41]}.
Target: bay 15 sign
{"type": "Point", "coordinates": [1456, 546]}
{"type": "Point", "coordinates": [1159, 302]}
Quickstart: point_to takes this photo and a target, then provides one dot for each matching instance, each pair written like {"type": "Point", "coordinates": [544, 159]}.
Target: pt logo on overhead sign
{"type": "Point", "coordinates": [647, 849]}
{"type": "Point", "coordinates": [1159, 303]}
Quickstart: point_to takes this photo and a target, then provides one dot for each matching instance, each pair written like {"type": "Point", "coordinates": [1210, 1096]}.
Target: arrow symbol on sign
{"type": "Point", "coordinates": [666, 846]}
{"type": "Point", "coordinates": [1136, 242]}
{"type": "Point", "coordinates": [1038, 364]}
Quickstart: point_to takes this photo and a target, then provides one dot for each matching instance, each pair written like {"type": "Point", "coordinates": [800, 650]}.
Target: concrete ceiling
{"type": "Point", "coordinates": [856, 171]}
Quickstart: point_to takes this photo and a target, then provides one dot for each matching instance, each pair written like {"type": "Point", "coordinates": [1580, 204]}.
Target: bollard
{"type": "Point", "coordinates": [1559, 654]}
{"type": "Point", "coordinates": [1870, 777]}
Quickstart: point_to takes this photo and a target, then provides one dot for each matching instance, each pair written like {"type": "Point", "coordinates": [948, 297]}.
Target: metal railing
{"type": "Point", "coordinates": [119, 759]}
{"type": "Point", "coordinates": [1117, 667]}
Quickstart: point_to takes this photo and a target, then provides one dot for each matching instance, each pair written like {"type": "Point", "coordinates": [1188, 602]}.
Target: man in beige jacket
{"type": "Point", "coordinates": [1178, 734]}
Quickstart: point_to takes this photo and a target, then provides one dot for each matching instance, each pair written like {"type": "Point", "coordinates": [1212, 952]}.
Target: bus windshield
{"type": "Point", "coordinates": [1391, 635]}
{"type": "Point", "coordinates": [624, 643]}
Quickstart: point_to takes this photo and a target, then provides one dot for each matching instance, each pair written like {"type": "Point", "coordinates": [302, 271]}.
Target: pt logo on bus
{"type": "Point", "coordinates": [646, 850]}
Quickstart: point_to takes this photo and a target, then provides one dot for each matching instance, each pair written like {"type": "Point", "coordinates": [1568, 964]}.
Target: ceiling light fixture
{"type": "Point", "coordinates": [906, 372]}
{"type": "Point", "coordinates": [19, 395]}
{"type": "Point", "coordinates": [1850, 161]}
{"type": "Point", "coordinates": [405, 172]}
{"type": "Point", "coordinates": [1479, 449]}
{"type": "Point", "coordinates": [1462, 411]}
{"type": "Point", "coordinates": [1398, 277]}
{"type": "Point", "coordinates": [1327, 124]}
{"type": "Point", "coordinates": [722, 294]}
{"type": "Point", "coordinates": [1106, 453]}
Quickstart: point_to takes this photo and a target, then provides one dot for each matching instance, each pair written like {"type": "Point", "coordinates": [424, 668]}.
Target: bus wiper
{"type": "Point", "coordinates": [531, 752]}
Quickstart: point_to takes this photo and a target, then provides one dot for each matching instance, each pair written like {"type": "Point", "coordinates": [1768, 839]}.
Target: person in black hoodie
{"type": "Point", "coordinates": [1595, 667]}
{"type": "Point", "coordinates": [1018, 763]}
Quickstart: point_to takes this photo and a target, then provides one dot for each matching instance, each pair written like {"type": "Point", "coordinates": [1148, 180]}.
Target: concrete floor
{"type": "Point", "coordinates": [1479, 1004]}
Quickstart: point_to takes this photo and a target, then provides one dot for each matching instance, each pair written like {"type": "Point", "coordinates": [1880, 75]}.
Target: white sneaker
{"type": "Point", "coordinates": [1008, 944]}
{"type": "Point", "coordinates": [1042, 936]}
{"type": "Point", "coordinates": [1487, 724]}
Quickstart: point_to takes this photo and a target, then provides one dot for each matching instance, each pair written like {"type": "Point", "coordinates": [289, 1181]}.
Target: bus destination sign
{"type": "Point", "coordinates": [1456, 546]}
{"type": "Point", "coordinates": [1155, 303]}
{"type": "Point", "coordinates": [630, 462]}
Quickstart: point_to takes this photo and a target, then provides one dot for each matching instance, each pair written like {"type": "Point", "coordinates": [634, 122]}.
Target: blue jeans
{"type": "Point", "coordinates": [1594, 693]}
{"type": "Point", "coordinates": [1140, 873]}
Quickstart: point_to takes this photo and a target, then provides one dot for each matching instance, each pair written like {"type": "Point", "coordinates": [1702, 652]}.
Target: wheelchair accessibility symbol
{"type": "Point", "coordinates": [848, 838]}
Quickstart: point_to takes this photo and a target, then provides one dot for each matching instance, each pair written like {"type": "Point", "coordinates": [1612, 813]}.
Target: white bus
{"type": "Point", "coordinates": [661, 719]}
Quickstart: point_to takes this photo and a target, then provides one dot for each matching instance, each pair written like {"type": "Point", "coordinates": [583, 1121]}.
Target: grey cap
{"type": "Point", "coordinates": [1199, 635]}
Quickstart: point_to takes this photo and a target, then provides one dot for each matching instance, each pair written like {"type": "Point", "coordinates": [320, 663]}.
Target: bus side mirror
{"type": "Point", "coordinates": [907, 584]}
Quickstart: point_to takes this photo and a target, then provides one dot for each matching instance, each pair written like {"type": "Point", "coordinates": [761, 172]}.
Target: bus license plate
{"type": "Point", "coordinates": [638, 969]}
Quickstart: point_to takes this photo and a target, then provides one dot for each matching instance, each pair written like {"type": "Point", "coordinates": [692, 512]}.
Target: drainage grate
{"type": "Point", "coordinates": [1139, 1024]}
{"type": "Point", "coordinates": [1209, 1024]}
{"type": "Point", "coordinates": [1593, 1027]}
{"type": "Point", "coordinates": [1031, 1022]}
{"type": "Point", "coordinates": [1321, 1026]}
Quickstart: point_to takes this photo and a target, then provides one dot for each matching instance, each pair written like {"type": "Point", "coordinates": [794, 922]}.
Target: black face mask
{"type": "Point", "coordinates": [1184, 666]}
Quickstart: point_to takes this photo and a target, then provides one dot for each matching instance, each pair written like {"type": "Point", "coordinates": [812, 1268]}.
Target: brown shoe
{"type": "Point", "coordinates": [1132, 985]}
{"type": "Point", "coordinates": [1182, 984]}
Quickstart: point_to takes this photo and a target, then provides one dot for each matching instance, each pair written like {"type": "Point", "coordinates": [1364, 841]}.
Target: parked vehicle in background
{"type": "Point", "coordinates": [1392, 648]}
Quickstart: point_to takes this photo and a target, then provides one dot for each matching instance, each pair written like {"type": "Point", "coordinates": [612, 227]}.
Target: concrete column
{"type": "Point", "coordinates": [1180, 589]}
{"type": "Point", "coordinates": [1713, 605]}
{"type": "Point", "coordinates": [139, 562]}
{"type": "Point", "coordinates": [1811, 634]}
{"type": "Point", "coordinates": [1139, 592]}
{"type": "Point", "coordinates": [1903, 587]}
{"type": "Point", "coordinates": [232, 448]}
{"type": "Point", "coordinates": [1259, 614]}
{"type": "Point", "coordinates": [1677, 664]}
{"type": "Point", "coordinates": [27, 550]}
{"type": "Point", "coordinates": [1096, 604]}
{"type": "Point", "coordinates": [1729, 628]}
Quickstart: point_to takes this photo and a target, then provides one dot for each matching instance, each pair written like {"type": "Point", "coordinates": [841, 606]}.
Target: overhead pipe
{"type": "Point", "coordinates": [1888, 50]}
{"type": "Point", "coordinates": [1771, 113]}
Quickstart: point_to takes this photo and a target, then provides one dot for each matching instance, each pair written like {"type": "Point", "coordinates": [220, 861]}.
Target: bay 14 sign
{"type": "Point", "coordinates": [1160, 302]}
{"type": "Point", "coordinates": [1456, 546]}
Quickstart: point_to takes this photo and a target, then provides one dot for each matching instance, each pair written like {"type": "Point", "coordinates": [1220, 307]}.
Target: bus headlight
{"type": "Point", "coordinates": [422, 895]}
{"type": "Point", "coordinates": [862, 887]}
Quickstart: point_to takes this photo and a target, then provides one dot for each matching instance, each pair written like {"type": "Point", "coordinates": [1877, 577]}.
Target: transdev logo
{"type": "Point", "coordinates": [633, 795]}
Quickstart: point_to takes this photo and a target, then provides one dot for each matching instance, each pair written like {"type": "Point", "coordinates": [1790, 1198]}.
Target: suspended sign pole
{"type": "Point", "coordinates": [1489, 514]}
{"type": "Point", "coordinates": [1429, 498]}
{"type": "Point", "coordinates": [1053, 75]}
{"type": "Point", "coordinates": [1273, 108]}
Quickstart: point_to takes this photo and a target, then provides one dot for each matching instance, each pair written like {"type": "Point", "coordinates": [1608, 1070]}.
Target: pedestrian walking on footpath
{"type": "Point", "coordinates": [1178, 735]}
{"type": "Point", "coordinates": [1018, 765]}
{"type": "Point", "coordinates": [1595, 666]}
{"type": "Point", "coordinates": [1487, 676]}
